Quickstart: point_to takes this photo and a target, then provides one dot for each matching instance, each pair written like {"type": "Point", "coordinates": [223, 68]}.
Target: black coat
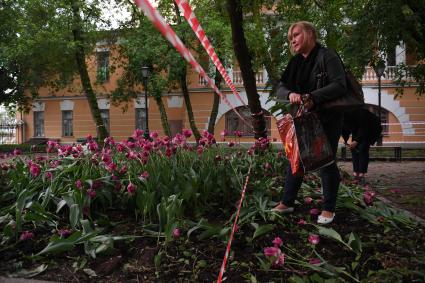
{"type": "Point", "coordinates": [295, 80]}
{"type": "Point", "coordinates": [301, 75]}
{"type": "Point", "coordinates": [363, 125]}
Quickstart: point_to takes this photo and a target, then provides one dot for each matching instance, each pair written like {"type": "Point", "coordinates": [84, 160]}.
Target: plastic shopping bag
{"type": "Point", "coordinates": [288, 136]}
{"type": "Point", "coordinates": [314, 148]}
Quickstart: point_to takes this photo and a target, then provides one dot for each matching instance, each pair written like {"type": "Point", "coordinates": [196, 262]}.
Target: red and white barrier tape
{"type": "Point", "coordinates": [229, 243]}
{"type": "Point", "coordinates": [200, 33]}
{"type": "Point", "coordinates": [172, 37]}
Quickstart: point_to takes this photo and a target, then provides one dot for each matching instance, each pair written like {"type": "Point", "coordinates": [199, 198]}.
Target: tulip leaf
{"type": "Point", "coordinates": [74, 213]}
{"type": "Point", "coordinates": [331, 233]}
{"type": "Point", "coordinates": [263, 229]}
{"type": "Point", "coordinates": [28, 273]}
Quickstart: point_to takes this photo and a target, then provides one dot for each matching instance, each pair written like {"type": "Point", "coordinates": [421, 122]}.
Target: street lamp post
{"type": "Point", "coordinates": [145, 75]}
{"type": "Point", "coordinates": [379, 69]}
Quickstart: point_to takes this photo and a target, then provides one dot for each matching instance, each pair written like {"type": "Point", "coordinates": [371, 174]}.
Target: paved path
{"type": "Point", "coordinates": [385, 174]}
{"type": "Point", "coordinates": [403, 183]}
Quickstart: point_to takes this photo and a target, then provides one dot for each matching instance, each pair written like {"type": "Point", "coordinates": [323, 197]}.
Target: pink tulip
{"type": "Point", "coordinates": [120, 147]}
{"type": "Point", "coordinates": [302, 222]}
{"type": "Point", "coordinates": [79, 184]}
{"type": "Point", "coordinates": [154, 135]}
{"type": "Point", "coordinates": [176, 233]}
{"type": "Point", "coordinates": [314, 239]}
{"type": "Point", "coordinates": [368, 197]}
{"type": "Point", "coordinates": [271, 251]}
{"type": "Point", "coordinates": [267, 166]}
{"type": "Point", "coordinates": [131, 188]}
{"type": "Point", "coordinates": [277, 242]}
{"type": "Point", "coordinates": [35, 169]}
{"type": "Point", "coordinates": [275, 255]}
{"type": "Point", "coordinates": [91, 193]}
{"type": "Point", "coordinates": [187, 133]}
{"type": "Point", "coordinates": [200, 150]}
{"type": "Point", "coordinates": [308, 200]}
{"type": "Point", "coordinates": [64, 233]}
{"type": "Point", "coordinates": [17, 152]}
{"type": "Point", "coordinates": [26, 235]}
{"type": "Point", "coordinates": [145, 175]}
{"type": "Point", "coordinates": [48, 175]}
{"type": "Point", "coordinates": [314, 211]}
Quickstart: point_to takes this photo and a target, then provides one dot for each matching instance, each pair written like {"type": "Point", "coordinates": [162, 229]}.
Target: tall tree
{"type": "Point", "coordinates": [80, 57]}
{"type": "Point", "coordinates": [244, 58]}
{"type": "Point", "coordinates": [48, 44]}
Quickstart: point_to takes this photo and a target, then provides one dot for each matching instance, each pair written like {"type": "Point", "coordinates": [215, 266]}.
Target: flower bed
{"type": "Point", "coordinates": [162, 210]}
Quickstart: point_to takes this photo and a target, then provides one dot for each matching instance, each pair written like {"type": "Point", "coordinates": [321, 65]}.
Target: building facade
{"type": "Point", "coordinates": [65, 115]}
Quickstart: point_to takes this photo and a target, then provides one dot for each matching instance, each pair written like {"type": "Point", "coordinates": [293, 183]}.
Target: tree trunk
{"type": "Point", "coordinates": [188, 104]}
{"type": "Point", "coordinates": [214, 110]}
{"type": "Point", "coordinates": [184, 88]}
{"type": "Point", "coordinates": [80, 57]}
{"type": "Point", "coordinates": [164, 118]}
{"type": "Point", "coordinates": [243, 56]}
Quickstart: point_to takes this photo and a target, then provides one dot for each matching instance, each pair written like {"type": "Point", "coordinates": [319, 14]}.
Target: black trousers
{"type": "Point", "coordinates": [360, 157]}
{"type": "Point", "coordinates": [330, 174]}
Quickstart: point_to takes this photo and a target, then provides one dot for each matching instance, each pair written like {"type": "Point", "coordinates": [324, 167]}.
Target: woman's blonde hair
{"type": "Point", "coordinates": [309, 31]}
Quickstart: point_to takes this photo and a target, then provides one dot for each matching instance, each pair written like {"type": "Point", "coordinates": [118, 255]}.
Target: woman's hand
{"type": "Point", "coordinates": [295, 98]}
{"type": "Point", "coordinates": [353, 145]}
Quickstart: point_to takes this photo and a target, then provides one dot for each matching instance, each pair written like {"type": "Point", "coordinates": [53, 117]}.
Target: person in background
{"type": "Point", "coordinates": [298, 84]}
{"type": "Point", "coordinates": [365, 129]}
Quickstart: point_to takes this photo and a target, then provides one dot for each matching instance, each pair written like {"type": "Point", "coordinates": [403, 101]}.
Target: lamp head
{"type": "Point", "coordinates": [145, 72]}
{"type": "Point", "coordinates": [379, 68]}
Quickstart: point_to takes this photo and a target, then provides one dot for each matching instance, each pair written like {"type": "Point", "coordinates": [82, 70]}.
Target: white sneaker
{"type": "Point", "coordinates": [325, 220]}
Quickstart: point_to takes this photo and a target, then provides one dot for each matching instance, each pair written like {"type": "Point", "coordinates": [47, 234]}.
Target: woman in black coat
{"type": "Point", "coordinates": [300, 80]}
{"type": "Point", "coordinates": [365, 129]}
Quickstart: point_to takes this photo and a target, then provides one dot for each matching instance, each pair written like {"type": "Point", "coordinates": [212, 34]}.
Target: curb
{"type": "Point", "coordinates": [411, 215]}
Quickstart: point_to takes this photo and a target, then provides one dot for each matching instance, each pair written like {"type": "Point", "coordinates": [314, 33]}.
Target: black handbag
{"type": "Point", "coordinates": [315, 150]}
{"type": "Point", "coordinates": [352, 99]}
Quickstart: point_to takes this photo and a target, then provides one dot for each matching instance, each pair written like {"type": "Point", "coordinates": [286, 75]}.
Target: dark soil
{"type": "Point", "coordinates": [388, 256]}
{"type": "Point", "coordinates": [193, 260]}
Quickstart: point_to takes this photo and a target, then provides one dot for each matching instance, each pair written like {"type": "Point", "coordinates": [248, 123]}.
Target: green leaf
{"type": "Point", "coordinates": [331, 233]}
{"type": "Point", "coordinates": [74, 215]}
{"type": "Point", "coordinates": [28, 273]}
{"type": "Point", "coordinates": [60, 205]}
{"type": "Point", "coordinates": [263, 229]}
{"type": "Point", "coordinates": [355, 243]}
{"type": "Point", "coordinates": [60, 245]}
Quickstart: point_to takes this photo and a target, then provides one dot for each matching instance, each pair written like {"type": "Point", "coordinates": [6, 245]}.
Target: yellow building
{"type": "Point", "coordinates": [65, 115]}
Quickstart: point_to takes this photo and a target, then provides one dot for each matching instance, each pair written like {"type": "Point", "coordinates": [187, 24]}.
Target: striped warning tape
{"type": "Point", "coordinates": [159, 22]}
{"type": "Point", "coordinates": [229, 243]}
{"type": "Point", "coordinates": [200, 33]}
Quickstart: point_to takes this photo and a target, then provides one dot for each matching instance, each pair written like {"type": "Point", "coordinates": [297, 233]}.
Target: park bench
{"type": "Point", "coordinates": [396, 149]}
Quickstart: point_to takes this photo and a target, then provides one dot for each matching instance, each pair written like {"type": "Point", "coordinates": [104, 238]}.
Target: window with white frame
{"type": "Point", "coordinates": [141, 118]}
{"type": "Point", "coordinates": [67, 123]}
{"type": "Point", "coordinates": [104, 113]}
{"type": "Point", "coordinates": [102, 60]}
{"type": "Point", "coordinates": [38, 123]}
{"type": "Point", "coordinates": [234, 122]}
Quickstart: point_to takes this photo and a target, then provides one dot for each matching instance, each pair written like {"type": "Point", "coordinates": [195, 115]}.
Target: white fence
{"type": "Point", "coordinates": [8, 133]}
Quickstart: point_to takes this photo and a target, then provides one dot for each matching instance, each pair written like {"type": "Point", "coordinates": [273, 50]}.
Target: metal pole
{"type": "Point", "coordinates": [379, 107]}
{"type": "Point", "coordinates": [146, 132]}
